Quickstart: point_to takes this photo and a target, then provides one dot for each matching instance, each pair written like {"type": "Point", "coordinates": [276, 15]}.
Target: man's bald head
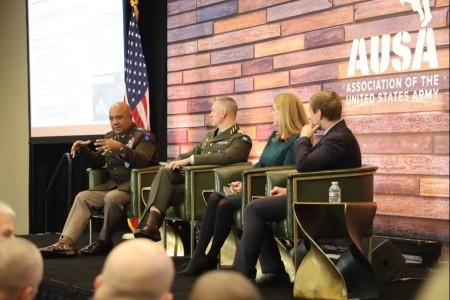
{"type": "Point", "coordinates": [21, 269]}
{"type": "Point", "coordinates": [120, 117]}
{"type": "Point", "coordinates": [224, 285]}
{"type": "Point", "coordinates": [136, 269]}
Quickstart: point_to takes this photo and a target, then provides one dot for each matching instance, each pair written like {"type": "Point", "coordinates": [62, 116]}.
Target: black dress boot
{"type": "Point", "coordinates": [199, 265]}
{"type": "Point", "coordinates": [151, 229]}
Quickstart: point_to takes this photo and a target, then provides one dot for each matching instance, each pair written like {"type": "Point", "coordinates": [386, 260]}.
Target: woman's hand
{"type": "Point", "coordinates": [236, 187]}
{"type": "Point", "coordinates": [278, 191]}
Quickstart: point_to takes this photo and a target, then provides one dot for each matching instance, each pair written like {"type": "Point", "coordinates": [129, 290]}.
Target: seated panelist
{"type": "Point", "coordinates": [227, 144]}
{"type": "Point", "coordinates": [126, 147]}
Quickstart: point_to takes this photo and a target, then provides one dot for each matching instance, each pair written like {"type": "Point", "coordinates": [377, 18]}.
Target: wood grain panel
{"type": "Point", "coordinates": [240, 22]}
{"type": "Point", "coordinates": [281, 45]}
{"type": "Point", "coordinates": [178, 135]}
{"type": "Point", "coordinates": [392, 25]}
{"type": "Point", "coordinates": [232, 55]}
{"type": "Point", "coordinates": [409, 164]}
{"type": "Point", "coordinates": [413, 206]}
{"type": "Point", "coordinates": [320, 20]}
{"type": "Point", "coordinates": [188, 32]}
{"type": "Point", "coordinates": [400, 123]}
{"type": "Point", "coordinates": [200, 90]}
{"type": "Point", "coordinates": [397, 143]}
{"type": "Point", "coordinates": [370, 9]}
{"type": "Point", "coordinates": [180, 6]}
{"type": "Point", "coordinates": [434, 187]}
{"type": "Point", "coordinates": [177, 107]}
{"type": "Point", "coordinates": [272, 80]}
{"type": "Point", "coordinates": [296, 8]}
{"type": "Point", "coordinates": [201, 3]}
{"type": "Point", "coordinates": [181, 121]}
{"type": "Point", "coordinates": [188, 62]}
{"type": "Point", "coordinates": [244, 84]}
{"type": "Point", "coordinates": [174, 78]}
{"type": "Point", "coordinates": [180, 20]}
{"type": "Point", "coordinates": [441, 143]}
{"type": "Point", "coordinates": [257, 66]}
{"type": "Point", "coordinates": [305, 57]}
{"type": "Point", "coordinates": [325, 36]}
{"type": "Point", "coordinates": [239, 37]}
{"type": "Point", "coordinates": [212, 73]}
{"type": "Point", "coordinates": [314, 74]}
{"type": "Point", "coordinates": [248, 5]}
{"type": "Point", "coordinates": [397, 185]}
{"type": "Point", "coordinates": [182, 48]}
{"type": "Point", "coordinates": [217, 11]}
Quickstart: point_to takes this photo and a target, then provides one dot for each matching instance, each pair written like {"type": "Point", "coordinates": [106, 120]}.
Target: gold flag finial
{"type": "Point", "coordinates": [134, 5]}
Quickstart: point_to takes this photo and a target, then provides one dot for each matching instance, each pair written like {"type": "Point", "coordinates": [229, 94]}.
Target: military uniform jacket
{"type": "Point", "coordinates": [230, 146]}
{"type": "Point", "coordinates": [139, 152]}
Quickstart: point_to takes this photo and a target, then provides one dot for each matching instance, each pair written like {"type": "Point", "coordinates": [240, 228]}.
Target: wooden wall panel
{"type": "Point", "coordinates": [253, 50]}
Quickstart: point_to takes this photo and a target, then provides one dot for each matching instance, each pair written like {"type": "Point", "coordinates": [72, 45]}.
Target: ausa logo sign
{"type": "Point", "coordinates": [403, 59]}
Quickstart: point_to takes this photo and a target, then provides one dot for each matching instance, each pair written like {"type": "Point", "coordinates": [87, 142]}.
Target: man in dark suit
{"type": "Point", "coordinates": [126, 147]}
{"type": "Point", "coordinates": [337, 149]}
{"type": "Point", "coordinates": [225, 145]}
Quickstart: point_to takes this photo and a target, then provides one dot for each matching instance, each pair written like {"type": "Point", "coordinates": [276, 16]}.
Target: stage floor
{"type": "Point", "coordinates": [72, 278]}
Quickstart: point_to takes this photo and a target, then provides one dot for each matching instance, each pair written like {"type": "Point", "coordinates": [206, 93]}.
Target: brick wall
{"type": "Point", "coordinates": [254, 49]}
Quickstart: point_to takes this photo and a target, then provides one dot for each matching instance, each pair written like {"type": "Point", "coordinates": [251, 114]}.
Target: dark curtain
{"type": "Point", "coordinates": [50, 204]}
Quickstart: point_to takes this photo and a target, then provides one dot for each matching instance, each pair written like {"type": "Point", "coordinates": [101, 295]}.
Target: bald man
{"type": "Point", "coordinates": [126, 147]}
{"type": "Point", "coordinates": [21, 269]}
{"type": "Point", "coordinates": [6, 221]}
{"type": "Point", "coordinates": [134, 270]}
{"type": "Point", "coordinates": [224, 285]}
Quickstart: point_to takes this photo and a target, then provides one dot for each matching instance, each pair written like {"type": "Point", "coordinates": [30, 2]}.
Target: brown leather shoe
{"type": "Point", "coordinates": [149, 232]}
{"type": "Point", "coordinates": [99, 247]}
{"type": "Point", "coordinates": [58, 250]}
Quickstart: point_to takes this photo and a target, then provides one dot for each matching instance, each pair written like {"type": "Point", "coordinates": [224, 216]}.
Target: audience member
{"type": "Point", "coordinates": [225, 145]}
{"type": "Point", "coordinates": [127, 146]}
{"type": "Point", "coordinates": [289, 116]}
{"type": "Point", "coordinates": [21, 269]}
{"type": "Point", "coordinates": [337, 149]}
{"type": "Point", "coordinates": [6, 221]}
{"type": "Point", "coordinates": [224, 285]}
{"type": "Point", "coordinates": [134, 270]}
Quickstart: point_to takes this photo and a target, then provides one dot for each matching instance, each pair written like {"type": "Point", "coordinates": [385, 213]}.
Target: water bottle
{"type": "Point", "coordinates": [334, 193]}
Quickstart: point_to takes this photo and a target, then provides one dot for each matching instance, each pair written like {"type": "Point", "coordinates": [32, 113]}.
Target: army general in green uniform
{"type": "Point", "coordinates": [126, 147]}
{"type": "Point", "coordinates": [225, 145]}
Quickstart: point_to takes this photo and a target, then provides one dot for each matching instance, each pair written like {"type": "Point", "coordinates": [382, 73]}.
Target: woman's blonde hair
{"type": "Point", "coordinates": [292, 115]}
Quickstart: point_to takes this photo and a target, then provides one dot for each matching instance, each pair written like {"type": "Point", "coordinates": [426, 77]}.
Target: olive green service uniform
{"type": "Point", "coordinates": [227, 147]}
{"type": "Point", "coordinates": [139, 151]}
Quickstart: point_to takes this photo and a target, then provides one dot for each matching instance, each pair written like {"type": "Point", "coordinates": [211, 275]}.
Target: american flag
{"type": "Point", "coordinates": [136, 80]}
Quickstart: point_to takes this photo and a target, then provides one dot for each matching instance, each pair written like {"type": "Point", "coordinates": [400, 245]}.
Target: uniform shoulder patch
{"type": "Point", "coordinates": [146, 136]}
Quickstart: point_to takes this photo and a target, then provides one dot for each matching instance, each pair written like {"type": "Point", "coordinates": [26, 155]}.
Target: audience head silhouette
{"type": "Point", "coordinates": [136, 269]}
{"type": "Point", "coordinates": [224, 285]}
{"type": "Point", "coordinates": [21, 269]}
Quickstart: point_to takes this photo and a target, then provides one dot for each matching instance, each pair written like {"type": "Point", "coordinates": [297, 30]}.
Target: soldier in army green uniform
{"type": "Point", "coordinates": [225, 145]}
{"type": "Point", "coordinates": [125, 147]}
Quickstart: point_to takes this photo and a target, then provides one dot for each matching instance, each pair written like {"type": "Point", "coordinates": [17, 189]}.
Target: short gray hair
{"type": "Point", "coordinates": [6, 209]}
